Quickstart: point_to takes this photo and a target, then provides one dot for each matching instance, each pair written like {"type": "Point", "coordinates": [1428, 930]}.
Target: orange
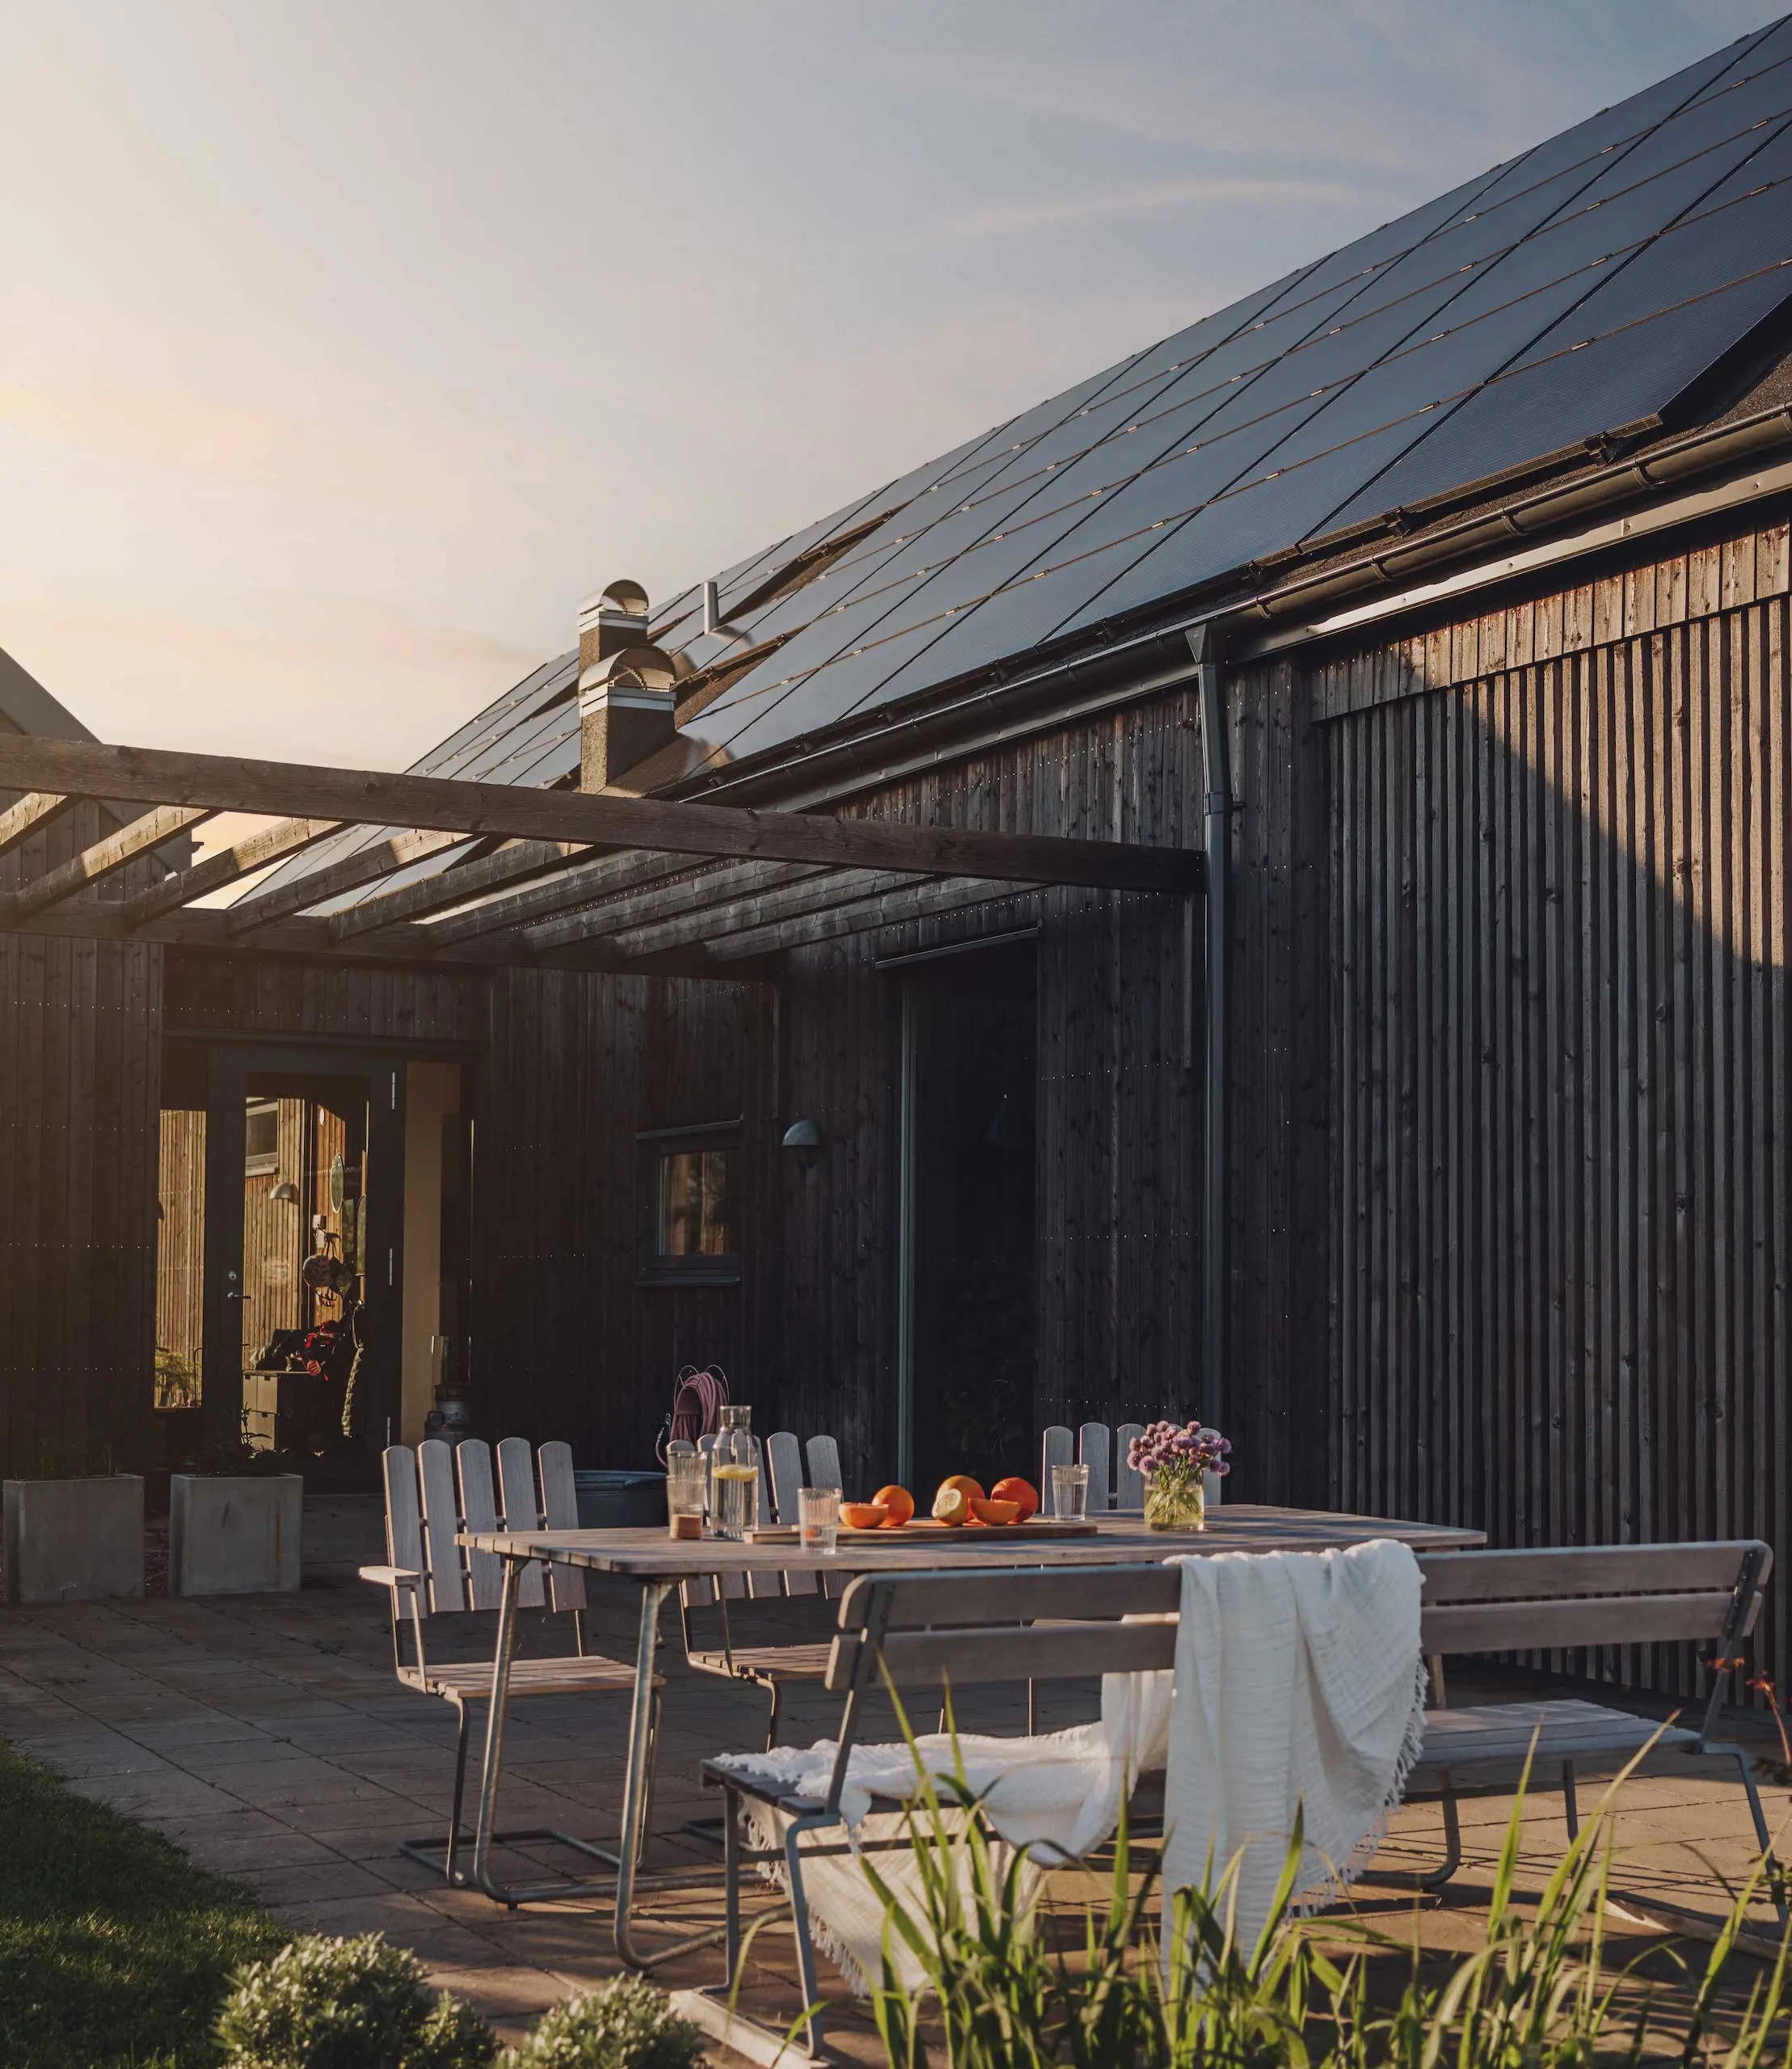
{"type": "Point", "coordinates": [995, 1512]}
{"type": "Point", "coordinates": [951, 1505]}
{"type": "Point", "coordinates": [971, 1489]}
{"type": "Point", "coordinates": [1022, 1493]}
{"type": "Point", "coordinates": [899, 1502]}
{"type": "Point", "coordinates": [863, 1515]}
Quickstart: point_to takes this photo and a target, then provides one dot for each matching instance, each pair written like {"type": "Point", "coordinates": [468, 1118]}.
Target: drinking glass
{"type": "Point", "coordinates": [687, 1484]}
{"type": "Point", "coordinates": [818, 1518]}
{"type": "Point", "coordinates": [1070, 1492]}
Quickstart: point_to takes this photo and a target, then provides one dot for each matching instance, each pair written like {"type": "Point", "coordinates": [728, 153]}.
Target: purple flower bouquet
{"type": "Point", "coordinates": [1175, 1460]}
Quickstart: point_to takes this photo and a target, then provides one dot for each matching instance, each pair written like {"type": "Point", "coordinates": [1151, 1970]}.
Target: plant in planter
{"type": "Point", "coordinates": [361, 2003]}
{"type": "Point", "coordinates": [1175, 1463]}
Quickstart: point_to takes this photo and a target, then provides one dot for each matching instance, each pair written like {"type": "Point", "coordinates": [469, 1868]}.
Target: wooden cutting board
{"type": "Point", "coordinates": [982, 1533]}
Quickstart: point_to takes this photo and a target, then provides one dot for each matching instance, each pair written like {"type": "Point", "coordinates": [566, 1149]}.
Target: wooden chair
{"type": "Point", "coordinates": [1599, 1595]}
{"type": "Point", "coordinates": [1113, 1485]}
{"type": "Point", "coordinates": [773, 1667]}
{"type": "Point", "coordinates": [428, 1575]}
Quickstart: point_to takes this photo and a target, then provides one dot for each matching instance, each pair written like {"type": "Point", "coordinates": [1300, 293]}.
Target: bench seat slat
{"type": "Point", "coordinates": [1502, 1733]}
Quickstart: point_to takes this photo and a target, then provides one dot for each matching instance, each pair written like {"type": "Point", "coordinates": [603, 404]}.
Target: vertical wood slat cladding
{"type": "Point", "coordinates": [1556, 1059]}
{"type": "Point", "coordinates": [1118, 1119]}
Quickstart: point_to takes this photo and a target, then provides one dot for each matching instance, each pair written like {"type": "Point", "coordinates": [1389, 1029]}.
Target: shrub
{"type": "Point", "coordinates": [347, 2004]}
{"type": "Point", "coordinates": [624, 2023]}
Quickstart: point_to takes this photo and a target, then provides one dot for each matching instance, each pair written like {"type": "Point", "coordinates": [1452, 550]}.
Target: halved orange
{"type": "Point", "coordinates": [951, 1505]}
{"type": "Point", "coordinates": [971, 1489]}
{"type": "Point", "coordinates": [899, 1502]}
{"type": "Point", "coordinates": [996, 1512]}
{"type": "Point", "coordinates": [863, 1515]}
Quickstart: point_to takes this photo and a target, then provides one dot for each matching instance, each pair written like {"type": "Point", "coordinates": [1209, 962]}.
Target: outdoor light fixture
{"type": "Point", "coordinates": [287, 1191]}
{"type": "Point", "coordinates": [802, 1134]}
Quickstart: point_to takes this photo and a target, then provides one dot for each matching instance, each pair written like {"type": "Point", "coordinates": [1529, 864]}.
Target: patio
{"type": "Point", "coordinates": [266, 1737]}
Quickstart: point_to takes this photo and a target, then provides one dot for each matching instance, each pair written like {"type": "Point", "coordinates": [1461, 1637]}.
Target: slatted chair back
{"type": "Point", "coordinates": [1128, 1481]}
{"type": "Point", "coordinates": [404, 1537]}
{"type": "Point", "coordinates": [560, 1512]}
{"type": "Point", "coordinates": [1095, 1444]}
{"type": "Point", "coordinates": [479, 1511]}
{"type": "Point", "coordinates": [443, 1566]}
{"type": "Point", "coordinates": [520, 1507]}
{"type": "Point", "coordinates": [1056, 1447]}
{"type": "Point", "coordinates": [784, 1469]}
{"type": "Point", "coordinates": [824, 1455]}
{"type": "Point", "coordinates": [1599, 1595]}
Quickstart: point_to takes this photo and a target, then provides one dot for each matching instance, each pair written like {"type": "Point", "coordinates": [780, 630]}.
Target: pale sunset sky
{"type": "Point", "coordinates": [343, 348]}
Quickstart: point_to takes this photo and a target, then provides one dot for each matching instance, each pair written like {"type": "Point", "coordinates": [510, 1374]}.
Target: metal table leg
{"type": "Point", "coordinates": [637, 1791]}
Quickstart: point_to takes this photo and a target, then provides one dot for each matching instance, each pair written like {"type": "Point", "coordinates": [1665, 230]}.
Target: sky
{"type": "Point", "coordinates": [345, 348]}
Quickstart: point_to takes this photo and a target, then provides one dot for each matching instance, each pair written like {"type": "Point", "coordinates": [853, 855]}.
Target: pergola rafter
{"type": "Point", "coordinates": [601, 882]}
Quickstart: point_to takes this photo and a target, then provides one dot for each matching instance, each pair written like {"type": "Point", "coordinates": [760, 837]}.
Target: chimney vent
{"type": "Point", "coordinates": [627, 698]}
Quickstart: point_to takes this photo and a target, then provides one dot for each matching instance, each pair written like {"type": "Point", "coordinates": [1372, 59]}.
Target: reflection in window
{"type": "Point", "coordinates": [698, 1210]}
{"type": "Point", "coordinates": [261, 1138]}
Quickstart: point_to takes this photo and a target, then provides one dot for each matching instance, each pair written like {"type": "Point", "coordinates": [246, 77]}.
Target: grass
{"type": "Point", "coordinates": [115, 1950]}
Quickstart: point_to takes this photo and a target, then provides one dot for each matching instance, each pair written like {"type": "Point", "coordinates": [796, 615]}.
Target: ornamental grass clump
{"type": "Point", "coordinates": [624, 2023]}
{"type": "Point", "coordinates": [324, 2003]}
{"type": "Point", "coordinates": [1537, 1993]}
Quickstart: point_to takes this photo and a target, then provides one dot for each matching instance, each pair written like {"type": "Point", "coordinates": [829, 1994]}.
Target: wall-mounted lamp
{"type": "Point", "coordinates": [287, 1191]}
{"type": "Point", "coordinates": [802, 1134]}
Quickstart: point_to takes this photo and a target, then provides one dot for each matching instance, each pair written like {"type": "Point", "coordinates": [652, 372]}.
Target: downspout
{"type": "Point", "coordinates": [1204, 644]}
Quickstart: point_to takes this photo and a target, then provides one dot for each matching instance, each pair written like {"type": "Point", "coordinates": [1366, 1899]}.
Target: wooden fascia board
{"type": "Point", "coordinates": [218, 782]}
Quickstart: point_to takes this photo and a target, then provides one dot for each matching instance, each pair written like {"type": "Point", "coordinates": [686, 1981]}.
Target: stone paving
{"type": "Point", "coordinates": [267, 1736]}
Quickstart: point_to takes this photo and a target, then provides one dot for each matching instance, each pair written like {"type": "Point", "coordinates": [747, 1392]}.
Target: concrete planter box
{"type": "Point", "coordinates": [74, 1541]}
{"type": "Point", "coordinates": [232, 1535]}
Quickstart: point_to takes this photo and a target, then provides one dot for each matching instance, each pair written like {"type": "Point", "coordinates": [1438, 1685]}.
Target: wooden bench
{"type": "Point", "coordinates": [1599, 1594]}
{"type": "Point", "coordinates": [962, 1629]}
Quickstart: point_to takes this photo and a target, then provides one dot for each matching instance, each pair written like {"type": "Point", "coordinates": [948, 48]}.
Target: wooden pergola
{"type": "Point", "coordinates": [542, 878]}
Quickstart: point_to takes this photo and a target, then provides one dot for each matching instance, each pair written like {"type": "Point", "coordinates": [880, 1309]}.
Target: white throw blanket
{"type": "Point", "coordinates": [1299, 1686]}
{"type": "Point", "coordinates": [1059, 1794]}
{"type": "Point", "coordinates": [1301, 1683]}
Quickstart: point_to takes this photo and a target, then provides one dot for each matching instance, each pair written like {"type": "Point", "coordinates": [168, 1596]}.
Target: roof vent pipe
{"type": "Point", "coordinates": [712, 617]}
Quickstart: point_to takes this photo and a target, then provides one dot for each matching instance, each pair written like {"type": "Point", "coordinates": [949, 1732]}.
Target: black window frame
{"type": "Point", "coordinates": [657, 1148]}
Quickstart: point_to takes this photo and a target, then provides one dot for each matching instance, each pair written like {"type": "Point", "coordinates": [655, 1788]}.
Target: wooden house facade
{"type": "Point", "coordinates": [1426, 1127]}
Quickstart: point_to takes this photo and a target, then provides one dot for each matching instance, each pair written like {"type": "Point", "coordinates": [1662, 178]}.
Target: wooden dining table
{"type": "Point", "coordinates": [656, 1563]}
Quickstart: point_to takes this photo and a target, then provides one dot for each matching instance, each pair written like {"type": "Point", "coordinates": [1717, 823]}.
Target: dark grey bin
{"type": "Point", "coordinates": [620, 1501]}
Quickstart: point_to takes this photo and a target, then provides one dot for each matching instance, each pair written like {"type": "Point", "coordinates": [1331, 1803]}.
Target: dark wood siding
{"type": "Point", "coordinates": [1556, 1054]}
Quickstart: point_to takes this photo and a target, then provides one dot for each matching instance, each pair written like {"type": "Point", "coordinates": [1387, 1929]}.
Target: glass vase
{"type": "Point", "coordinates": [1172, 1502]}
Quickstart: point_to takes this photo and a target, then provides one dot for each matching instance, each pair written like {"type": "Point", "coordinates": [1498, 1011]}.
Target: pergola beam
{"type": "Point", "coordinates": [697, 894]}
{"type": "Point", "coordinates": [924, 901]}
{"type": "Point", "coordinates": [33, 811]}
{"type": "Point", "coordinates": [103, 859]}
{"type": "Point", "coordinates": [366, 865]}
{"type": "Point", "coordinates": [743, 915]}
{"type": "Point", "coordinates": [218, 783]}
{"type": "Point", "coordinates": [514, 864]}
{"type": "Point", "coordinates": [243, 858]}
{"type": "Point", "coordinates": [576, 886]}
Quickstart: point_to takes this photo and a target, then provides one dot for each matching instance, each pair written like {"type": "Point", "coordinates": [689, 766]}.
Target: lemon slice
{"type": "Point", "coordinates": [951, 1505]}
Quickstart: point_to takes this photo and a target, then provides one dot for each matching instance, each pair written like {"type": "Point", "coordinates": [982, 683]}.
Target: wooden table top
{"type": "Point", "coordinates": [649, 1554]}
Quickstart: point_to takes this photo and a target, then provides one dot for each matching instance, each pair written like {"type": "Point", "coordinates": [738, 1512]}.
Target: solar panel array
{"type": "Point", "coordinates": [1582, 286]}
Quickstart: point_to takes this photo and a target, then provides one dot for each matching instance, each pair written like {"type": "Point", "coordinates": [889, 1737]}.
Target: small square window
{"type": "Point", "coordinates": [261, 1139]}
{"type": "Point", "coordinates": [699, 1213]}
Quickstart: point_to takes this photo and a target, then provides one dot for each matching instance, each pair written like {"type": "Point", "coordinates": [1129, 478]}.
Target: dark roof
{"type": "Point", "coordinates": [1626, 277]}
{"type": "Point", "coordinates": [25, 706]}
